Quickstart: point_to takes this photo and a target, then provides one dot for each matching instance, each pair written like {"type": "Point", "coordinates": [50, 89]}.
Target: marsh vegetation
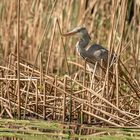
{"type": "Point", "coordinates": [42, 76]}
{"type": "Point", "coordinates": [36, 129]}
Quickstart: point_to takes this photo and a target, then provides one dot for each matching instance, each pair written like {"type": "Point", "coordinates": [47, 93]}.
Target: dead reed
{"type": "Point", "coordinates": [42, 76]}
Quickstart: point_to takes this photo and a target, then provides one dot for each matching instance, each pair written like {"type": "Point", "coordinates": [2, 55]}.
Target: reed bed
{"type": "Point", "coordinates": [42, 76]}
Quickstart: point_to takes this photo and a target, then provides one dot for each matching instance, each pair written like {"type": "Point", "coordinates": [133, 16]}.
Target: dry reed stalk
{"type": "Point", "coordinates": [82, 115]}
{"type": "Point", "coordinates": [36, 98]}
{"type": "Point", "coordinates": [69, 14]}
{"type": "Point", "coordinates": [68, 69]}
{"type": "Point", "coordinates": [76, 99]}
{"type": "Point", "coordinates": [18, 58]}
{"type": "Point", "coordinates": [132, 119]}
{"type": "Point", "coordinates": [98, 117]}
{"type": "Point", "coordinates": [44, 100]}
{"type": "Point", "coordinates": [84, 78]}
{"type": "Point", "coordinates": [39, 49]}
{"type": "Point", "coordinates": [117, 86]}
{"type": "Point", "coordinates": [6, 93]}
{"type": "Point", "coordinates": [123, 16]}
{"type": "Point", "coordinates": [100, 97]}
{"type": "Point", "coordinates": [64, 99]}
{"type": "Point", "coordinates": [65, 55]}
{"type": "Point", "coordinates": [41, 71]}
{"type": "Point", "coordinates": [55, 94]}
{"type": "Point", "coordinates": [110, 39]}
{"type": "Point", "coordinates": [22, 107]}
{"type": "Point", "coordinates": [50, 48]}
{"type": "Point", "coordinates": [113, 116]}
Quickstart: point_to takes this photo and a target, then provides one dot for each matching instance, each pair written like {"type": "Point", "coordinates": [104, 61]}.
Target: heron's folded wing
{"type": "Point", "coordinates": [101, 54]}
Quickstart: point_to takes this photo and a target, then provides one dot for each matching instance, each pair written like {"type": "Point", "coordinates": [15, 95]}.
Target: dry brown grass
{"type": "Point", "coordinates": [54, 81]}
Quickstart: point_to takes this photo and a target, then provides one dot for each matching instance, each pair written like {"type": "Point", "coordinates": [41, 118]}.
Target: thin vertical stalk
{"type": "Point", "coordinates": [117, 86]}
{"type": "Point", "coordinates": [41, 77]}
{"type": "Point", "coordinates": [82, 115]}
{"type": "Point", "coordinates": [65, 57]}
{"type": "Point", "coordinates": [64, 99]}
{"type": "Point", "coordinates": [50, 49]}
{"type": "Point", "coordinates": [110, 40]}
{"type": "Point", "coordinates": [44, 101]}
{"type": "Point", "coordinates": [41, 72]}
{"type": "Point", "coordinates": [84, 78]}
{"type": "Point", "coordinates": [124, 12]}
{"type": "Point", "coordinates": [55, 92]}
{"type": "Point", "coordinates": [42, 86]}
{"type": "Point", "coordinates": [18, 58]}
{"type": "Point", "coordinates": [36, 99]}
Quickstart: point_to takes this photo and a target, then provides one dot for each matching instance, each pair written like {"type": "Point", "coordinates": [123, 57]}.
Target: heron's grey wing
{"type": "Point", "coordinates": [101, 54]}
{"type": "Point", "coordinates": [98, 53]}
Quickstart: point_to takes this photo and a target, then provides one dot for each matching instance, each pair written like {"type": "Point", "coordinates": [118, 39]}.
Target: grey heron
{"type": "Point", "coordinates": [92, 54]}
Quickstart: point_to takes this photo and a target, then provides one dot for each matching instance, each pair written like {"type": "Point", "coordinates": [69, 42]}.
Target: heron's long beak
{"type": "Point", "coordinates": [69, 33]}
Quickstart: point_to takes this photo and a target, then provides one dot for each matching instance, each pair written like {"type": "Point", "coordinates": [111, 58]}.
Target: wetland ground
{"type": "Point", "coordinates": [48, 130]}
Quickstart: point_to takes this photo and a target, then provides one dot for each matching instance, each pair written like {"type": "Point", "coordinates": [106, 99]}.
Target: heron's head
{"type": "Point", "coordinates": [79, 31]}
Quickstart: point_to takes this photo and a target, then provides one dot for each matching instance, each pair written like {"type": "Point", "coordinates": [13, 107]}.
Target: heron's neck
{"type": "Point", "coordinates": [81, 45]}
{"type": "Point", "coordinates": [83, 42]}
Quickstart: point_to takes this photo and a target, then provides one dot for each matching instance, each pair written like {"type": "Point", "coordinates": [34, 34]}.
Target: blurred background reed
{"type": "Point", "coordinates": [113, 24]}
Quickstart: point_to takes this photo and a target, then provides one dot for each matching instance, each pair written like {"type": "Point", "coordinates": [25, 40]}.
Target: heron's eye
{"type": "Point", "coordinates": [79, 30]}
